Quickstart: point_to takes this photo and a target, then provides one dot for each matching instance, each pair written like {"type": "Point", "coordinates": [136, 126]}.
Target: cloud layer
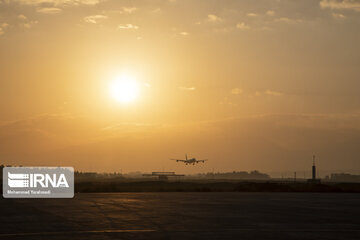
{"type": "Point", "coordinates": [258, 142]}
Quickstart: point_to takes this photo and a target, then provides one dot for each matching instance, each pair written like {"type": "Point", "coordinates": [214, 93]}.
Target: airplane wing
{"type": "Point", "coordinates": [201, 160]}
{"type": "Point", "coordinates": [178, 160]}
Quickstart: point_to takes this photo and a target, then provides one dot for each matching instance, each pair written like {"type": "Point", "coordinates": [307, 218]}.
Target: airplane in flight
{"type": "Point", "coordinates": [189, 160]}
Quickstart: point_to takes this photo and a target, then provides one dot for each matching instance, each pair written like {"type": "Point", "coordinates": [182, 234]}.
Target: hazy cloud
{"type": "Point", "coordinates": [252, 14]}
{"type": "Point", "coordinates": [30, 24]}
{"type": "Point", "coordinates": [269, 93]}
{"type": "Point", "coordinates": [270, 13]}
{"type": "Point", "coordinates": [242, 26]}
{"type": "Point", "coordinates": [264, 140]}
{"type": "Point", "coordinates": [59, 2]}
{"type": "Point", "coordinates": [44, 132]}
{"type": "Point", "coordinates": [288, 20]}
{"type": "Point", "coordinates": [156, 11]}
{"type": "Point", "coordinates": [266, 28]}
{"type": "Point", "coordinates": [338, 15]}
{"type": "Point", "coordinates": [26, 23]}
{"type": "Point", "coordinates": [22, 17]}
{"type": "Point", "coordinates": [129, 127]}
{"type": "Point", "coordinates": [129, 9]}
{"type": "Point", "coordinates": [188, 88]}
{"type": "Point", "coordinates": [214, 18]}
{"type": "Point", "coordinates": [128, 26]}
{"type": "Point", "coordinates": [273, 93]}
{"type": "Point", "coordinates": [343, 4]}
{"type": "Point", "coordinates": [94, 18]}
{"type": "Point", "coordinates": [51, 10]}
{"type": "Point", "coordinates": [3, 26]}
{"type": "Point", "coordinates": [236, 91]}
{"type": "Point", "coordinates": [123, 10]}
{"type": "Point", "coordinates": [184, 33]}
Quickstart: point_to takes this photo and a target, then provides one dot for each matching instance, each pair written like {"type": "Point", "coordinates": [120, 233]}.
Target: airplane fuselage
{"type": "Point", "coordinates": [189, 161]}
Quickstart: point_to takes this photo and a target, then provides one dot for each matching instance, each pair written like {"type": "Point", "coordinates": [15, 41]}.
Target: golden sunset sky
{"type": "Point", "coordinates": [247, 84]}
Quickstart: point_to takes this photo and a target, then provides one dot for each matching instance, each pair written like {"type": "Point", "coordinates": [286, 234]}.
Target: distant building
{"type": "Point", "coordinates": [163, 175]}
{"type": "Point", "coordinates": [344, 177]}
{"type": "Point", "coordinates": [243, 175]}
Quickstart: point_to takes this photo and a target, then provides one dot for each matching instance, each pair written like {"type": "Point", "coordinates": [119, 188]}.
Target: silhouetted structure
{"type": "Point", "coordinates": [163, 175]}
{"type": "Point", "coordinates": [313, 179]}
{"type": "Point", "coordinates": [253, 175]}
{"type": "Point", "coordinates": [314, 169]}
{"type": "Point", "coordinates": [344, 177]}
{"type": "Point", "coordinates": [90, 176]}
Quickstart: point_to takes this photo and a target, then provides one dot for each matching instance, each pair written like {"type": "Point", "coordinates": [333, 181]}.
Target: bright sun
{"type": "Point", "coordinates": [124, 88]}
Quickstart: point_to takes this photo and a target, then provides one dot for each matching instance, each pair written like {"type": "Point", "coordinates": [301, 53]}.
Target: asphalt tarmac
{"type": "Point", "coordinates": [188, 215]}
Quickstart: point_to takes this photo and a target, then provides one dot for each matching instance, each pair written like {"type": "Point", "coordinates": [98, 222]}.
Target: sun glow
{"type": "Point", "coordinates": [124, 88]}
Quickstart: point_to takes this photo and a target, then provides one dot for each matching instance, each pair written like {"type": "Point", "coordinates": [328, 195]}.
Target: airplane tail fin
{"type": "Point", "coordinates": [186, 157]}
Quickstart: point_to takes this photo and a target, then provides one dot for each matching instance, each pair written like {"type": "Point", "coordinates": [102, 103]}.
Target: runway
{"type": "Point", "coordinates": [184, 215]}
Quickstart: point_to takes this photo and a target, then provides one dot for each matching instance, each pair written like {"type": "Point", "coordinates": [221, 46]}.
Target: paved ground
{"type": "Point", "coordinates": [184, 216]}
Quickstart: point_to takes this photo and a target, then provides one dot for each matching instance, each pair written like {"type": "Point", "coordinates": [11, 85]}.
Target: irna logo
{"type": "Point", "coordinates": [33, 180]}
{"type": "Point", "coordinates": [38, 182]}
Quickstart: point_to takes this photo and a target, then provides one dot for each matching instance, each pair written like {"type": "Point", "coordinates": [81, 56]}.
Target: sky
{"type": "Point", "coordinates": [262, 84]}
